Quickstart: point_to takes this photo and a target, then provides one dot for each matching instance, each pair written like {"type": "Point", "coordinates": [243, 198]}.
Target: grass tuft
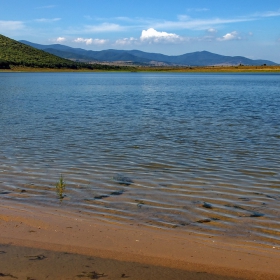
{"type": "Point", "coordinates": [60, 188]}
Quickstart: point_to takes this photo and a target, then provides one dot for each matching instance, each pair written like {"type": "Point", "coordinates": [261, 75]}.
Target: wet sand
{"type": "Point", "coordinates": [24, 262]}
{"type": "Point", "coordinates": [49, 243]}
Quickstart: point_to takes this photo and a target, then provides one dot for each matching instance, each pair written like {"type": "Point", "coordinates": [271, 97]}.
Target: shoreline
{"type": "Point", "coordinates": [165, 69]}
{"type": "Point", "coordinates": [59, 231]}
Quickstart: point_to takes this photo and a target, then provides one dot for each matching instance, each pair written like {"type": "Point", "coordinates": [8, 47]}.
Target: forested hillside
{"type": "Point", "coordinates": [14, 53]}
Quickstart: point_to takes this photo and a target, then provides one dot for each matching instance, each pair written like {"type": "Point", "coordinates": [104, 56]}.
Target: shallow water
{"type": "Point", "coordinates": [192, 152]}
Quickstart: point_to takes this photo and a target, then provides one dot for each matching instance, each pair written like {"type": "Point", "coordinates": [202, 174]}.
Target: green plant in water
{"type": "Point", "coordinates": [60, 188]}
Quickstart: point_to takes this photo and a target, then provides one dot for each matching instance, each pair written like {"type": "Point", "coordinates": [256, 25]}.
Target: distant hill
{"type": "Point", "coordinates": [202, 58]}
{"type": "Point", "coordinates": [89, 56]}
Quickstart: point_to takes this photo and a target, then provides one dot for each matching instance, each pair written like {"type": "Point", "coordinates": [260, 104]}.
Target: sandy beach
{"type": "Point", "coordinates": [51, 243]}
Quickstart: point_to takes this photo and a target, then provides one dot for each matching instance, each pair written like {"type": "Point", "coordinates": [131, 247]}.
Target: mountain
{"type": "Point", "coordinates": [88, 56]}
{"type": "Point", "coordinates": [18, 54]}
{"type": "Point", "coordinates": [202, 58]}
{"type": "Point", "coordinates": [14, 53]}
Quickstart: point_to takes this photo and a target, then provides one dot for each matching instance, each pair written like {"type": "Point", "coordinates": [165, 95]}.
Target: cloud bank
{"type": "Point", "coordinates": [104, 27]}
{"type": "Point", "coordinates": [90, 41]}
{"type": "Point", "coordinates": [230, 36]}
{"type": "Point", "coordinates": [60, 39]}
{"type": "Point", "coordinates": [126, 41]}
{"type": "Point", "coordinates": [11, 25]}
{"type": "Point", "coordinates": [153, 36]}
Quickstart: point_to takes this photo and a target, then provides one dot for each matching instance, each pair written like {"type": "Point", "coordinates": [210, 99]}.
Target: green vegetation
{"type": "Point", "coordinates": [4, 64]}
{"type": "Point", "coordinates": [15, 55]}
{"type": "Point", "coordinates": [18, 54]}
{"type": "Point", "coordinates": [60, 188]}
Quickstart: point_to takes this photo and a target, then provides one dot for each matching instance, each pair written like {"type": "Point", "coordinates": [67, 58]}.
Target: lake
{"type": "Point", "coordinates": [198, 153]}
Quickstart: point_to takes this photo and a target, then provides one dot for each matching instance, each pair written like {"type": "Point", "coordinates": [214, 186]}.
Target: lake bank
{"type": "Point", "coordinates": [191, 69]}
{"type": "Point", "coordinates": [59, 231]}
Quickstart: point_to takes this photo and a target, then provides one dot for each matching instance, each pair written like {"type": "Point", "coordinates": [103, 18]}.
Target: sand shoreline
{"type": "Point", "coordinates": [59, 231]}
{"type": "Point", "coordinates": [34, 263]}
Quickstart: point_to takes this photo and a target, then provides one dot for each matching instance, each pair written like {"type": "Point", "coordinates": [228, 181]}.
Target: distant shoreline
{"type": "Point", "coordinates": [198, 69]}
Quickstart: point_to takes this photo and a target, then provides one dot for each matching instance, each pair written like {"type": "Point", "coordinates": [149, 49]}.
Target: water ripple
{"type": "Point", "coordinates": [197, 153]}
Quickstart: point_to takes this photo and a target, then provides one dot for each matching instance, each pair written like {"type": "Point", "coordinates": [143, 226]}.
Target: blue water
{"type": "Point", "coordinates": [193, 152]}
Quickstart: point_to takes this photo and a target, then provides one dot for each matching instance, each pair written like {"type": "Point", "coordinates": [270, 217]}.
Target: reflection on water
{"type": "Point", "coordinates": [192, 152]}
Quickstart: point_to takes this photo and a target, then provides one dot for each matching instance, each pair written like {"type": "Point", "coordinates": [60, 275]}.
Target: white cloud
{"type": "Point", "coordinates": [183, 17]}
{"type": "Point", "coordinates": [186, 22]}
{"type": "Point", "coordinates": [47, 19]}
{"type": "Point", "coordinates": [211, 31]}
{"type": "Point", "coordinates": [183, 22]}
{"type": "Point", "coordinates": [126, 41]}
{"type": "Point", "coordinates": [98, 28]}
{"type": "Point", "coordinates": [91, 41]}
{"type": "Point", "coordinates": [123, 18]}
{"type": "Point", "coordinates": [11, 25]}
{"type": "Point", "coordinates": [197, 24]}
{"type": "Point", "coordinates": [104, 27]}
{"type": "Point", "coordinates": [230, 36]}
{"type": "Point", "coordinates": [210, 35]}
{"type": "Point", "coordinates": [60, 39]}
{"type": "Point", "coordinates": [152, 35]}
{"type": "Point", "coordinates": [99, 41]}
{"type": "Point", "coordinates": [268, 14]}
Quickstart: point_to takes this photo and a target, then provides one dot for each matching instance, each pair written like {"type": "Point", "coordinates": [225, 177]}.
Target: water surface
{"type": "Point", "coordinates": [191, 152]}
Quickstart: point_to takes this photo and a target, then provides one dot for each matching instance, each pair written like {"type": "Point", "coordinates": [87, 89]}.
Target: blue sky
{"type": "Point", "coordinates": [249, 28]}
